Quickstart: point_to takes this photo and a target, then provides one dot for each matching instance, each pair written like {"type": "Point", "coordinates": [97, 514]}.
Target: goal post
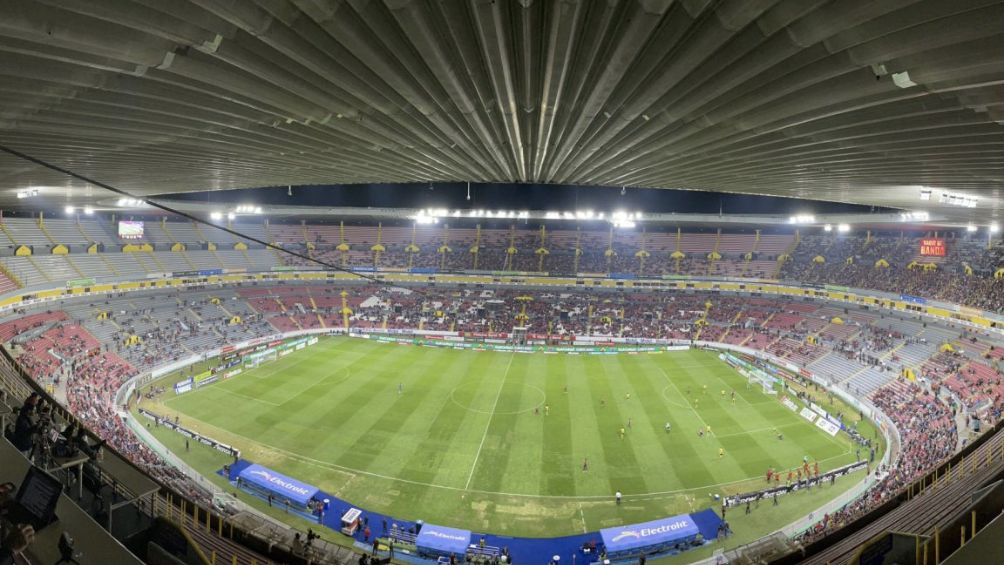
{"type": "Point", "coordinates": [766, 385]}
{"type": "Point", "coordinates": [518, 335]}
{"type": "Point", "coordinates": [753, 374]}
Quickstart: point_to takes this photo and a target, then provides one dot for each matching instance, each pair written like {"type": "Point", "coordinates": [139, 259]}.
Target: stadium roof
{"type": "Point", "coordinates": [863, 101]}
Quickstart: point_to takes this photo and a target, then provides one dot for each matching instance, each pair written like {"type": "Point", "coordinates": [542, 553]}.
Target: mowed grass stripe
{"type": "Point", "coordinates": [381, 421]}
{"type": "Point", "coordinates": [411, 454]}
{"type": "Point", "coordinates": [337, 401]}
{"type": "Point", "coordinates": [466, 441]}
{"type": "Point", "coordinates": [653, 461]}
{"type": "Point", "coordinates": [498, 441]}
{"type": "Point", "coordinates": [218, 408]}
{"type": "Point", "coordinates": [623, 470]}
{"type": "Point", "coordinates": [524, 467]}
{"type": "Point", "coordinates": [584, 416]}
{"type": "Point", "coordinates": [758, 449]}
{"type": "Point", "coordinates": [419, 444]}
{"type": "Point", "coordinates": [558, 464]}
{"type": "Point", "coordinates": [432, 451]}
{"type": "Point", "coordinates": [675, 446]}
{"type": "Point", "coordinates": [319, 404]}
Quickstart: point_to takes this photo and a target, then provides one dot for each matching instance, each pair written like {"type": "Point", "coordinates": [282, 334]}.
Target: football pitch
{"type": "Point", "coordinates": [510, 443]}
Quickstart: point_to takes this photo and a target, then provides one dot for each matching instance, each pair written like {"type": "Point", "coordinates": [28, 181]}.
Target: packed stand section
{"type": "Point", "coordinates": [929, 436]}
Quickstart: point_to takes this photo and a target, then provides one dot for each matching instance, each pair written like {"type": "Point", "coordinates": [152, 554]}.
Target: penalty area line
{"type": "Point", "coordinates": [245, 396]}
{"type": "Point", "coordinates": [330, 466]}
{"type": "Point", "coordinates": [685, 399]}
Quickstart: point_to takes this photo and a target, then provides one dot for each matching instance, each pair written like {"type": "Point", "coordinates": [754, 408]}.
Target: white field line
{"type": "Point", "coordinates": [244, 396]}
{"type": "Point", "coordinates": [689, 404]}
{"type": "Point", "coordinates": [782, 426]}
{"type": "Point", "coordinates": [350, 471]}
{"type": "Point", "coordinates": [278, 366]}
{"type": "Point", "coordinates": [489, 425]}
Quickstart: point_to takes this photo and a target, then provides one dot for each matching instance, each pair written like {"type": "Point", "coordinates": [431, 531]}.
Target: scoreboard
{"type": "Point", "coordinates": [930, 247]}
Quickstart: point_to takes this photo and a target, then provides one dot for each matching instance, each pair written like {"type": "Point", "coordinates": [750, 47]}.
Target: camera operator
{"type": "Point", "coordinates": [42, 435]}
{"type": "Point", "coordinates": [26, 426]}
{"type": "Point", "coordinates": [73, 440]}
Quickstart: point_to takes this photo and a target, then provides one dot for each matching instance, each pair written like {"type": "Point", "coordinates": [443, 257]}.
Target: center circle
{"type": "Point", "coordinates": [513, 398]}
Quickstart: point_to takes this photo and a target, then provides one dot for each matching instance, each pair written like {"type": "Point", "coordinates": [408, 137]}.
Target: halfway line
{"type": "Point", "coordinates": [490, 418]}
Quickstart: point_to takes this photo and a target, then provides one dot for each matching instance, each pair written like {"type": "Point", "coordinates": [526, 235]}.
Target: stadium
{"type": "Point", "coordinates": [491, 282]}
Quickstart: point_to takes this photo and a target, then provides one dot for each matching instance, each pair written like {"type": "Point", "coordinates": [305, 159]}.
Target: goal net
{"type": "Point", "coordinates": [518, 336]}
{"type": "Point", "coordinates": [757, 378]}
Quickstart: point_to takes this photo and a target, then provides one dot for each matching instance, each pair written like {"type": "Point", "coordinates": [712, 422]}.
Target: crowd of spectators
{"type": "Point", "coordinates": [95, 367]}
{"type": "Point", "coordinates": [847, 259]}
{"type": "Point", "coordinates": [851, 261]}
{"type": "Point", "coordinates": [624, 252]}
{"type": "Point", "coordinates": [929, 436]}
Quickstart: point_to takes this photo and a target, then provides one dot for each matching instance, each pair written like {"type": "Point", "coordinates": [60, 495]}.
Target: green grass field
{"type": "Point", "coordinates": [461, 445]}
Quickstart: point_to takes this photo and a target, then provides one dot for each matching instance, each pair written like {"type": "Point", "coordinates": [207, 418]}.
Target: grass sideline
{"type": "Point", "coordinates": [461, 445]}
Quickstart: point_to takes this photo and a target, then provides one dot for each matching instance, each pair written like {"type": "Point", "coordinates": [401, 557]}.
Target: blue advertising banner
{"type": "Point", "coordinates": [279, 484]}
{"type": "Point", "coordinates": [442, 540]}
{"type": "Point", "coordinates": [635, 537]}
{"type": "Point", "coordinates": [914, 299]}
{"type": "Point", "coordinates": [183, 386]}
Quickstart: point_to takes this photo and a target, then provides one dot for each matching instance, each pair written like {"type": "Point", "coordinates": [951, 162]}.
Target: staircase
{"type": "Point", "coordinates": [142, 263]}
{"type": "Point", "coordinates": [75, 268]}
{"type": "Point", "coordinates": [9, 235]}
{"type": "Point", "coordinates": [10, 275]}
{"type": "Point", "coordinates": [202, 236]}
{"type": "Point", "coordinates": [45, 275]}
{"type": "Point", "coordinates": [789, 251]}
{"type": "Point", "coordinates": [731, 323]}
{"type": "Point", "coordinates": [108, 264]}
{"type": "Point", "coordinates": [41, 226]}
{"type": "Point", "coordinates": [225, 311]}
{"type": "Point", "coordinates": [752, 253]}
{"type": "Point", "coordinates": [170, 235]}
{"type": "Point", "coordinates": [217, 257]}
{"type": "Point", "coordinates": [184, 255]}
{"type": "Point", "coordinates": [160, 265]}
{"type": "Point", "coordinates": [83, 234]}
{"type": "Point", "coordinates": [271, 239]}
{"type": "Point", "coordinates": [718, 241]}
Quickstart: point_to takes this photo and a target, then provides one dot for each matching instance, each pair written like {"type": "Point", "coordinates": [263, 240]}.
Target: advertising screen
{"type": "Point", "coordinates": [930, 247]}
{"type": "Point", "coordinates": [130, 230]}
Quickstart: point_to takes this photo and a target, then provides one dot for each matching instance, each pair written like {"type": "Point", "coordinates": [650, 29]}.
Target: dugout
{"type": "Point", "coordinates": [657, 536]}
{"type": "Point", "coordinates": [266, 481]}
{"type": "Point", "coordinates": [434, 541]}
